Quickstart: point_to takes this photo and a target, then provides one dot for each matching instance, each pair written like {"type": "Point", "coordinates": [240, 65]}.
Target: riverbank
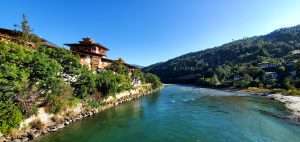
{"type": "Point", "coordinates": [291, 102]}
{"type": "Point", "coordinates": [187, 114]}
{"type": "Point", "coordinates": [43, 122]}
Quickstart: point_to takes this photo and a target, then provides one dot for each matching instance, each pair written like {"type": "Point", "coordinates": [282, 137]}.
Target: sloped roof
{"type": "Point", "coordinates": [87, 42]}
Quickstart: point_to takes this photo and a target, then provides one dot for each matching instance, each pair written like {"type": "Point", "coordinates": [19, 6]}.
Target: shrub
{"type": "Point", "coordinates": [56, 104]}
{"type": "Point", "coordinates": [65, 58]}
{"type": "Point", "coordinates": [85, 84]}
{"type": "Point", "coordinates": [119, 67]}
{"type": "Point", "coordinates": [10, 116]}
{"type": "Point", "coordinates": [12, 80]}
{"type": "Point", "coordinates": [294, 92]}
{"type": "Point", "coordinates": [124, 82]}
{"type": "Point", "coordinates": [110, 83]}
{"type": "Point", "coordinates": [153, 79]}
{"type": "Point", "coordinates": [92, 103]}
{"type": "Point", "coordinates": [107, 83]}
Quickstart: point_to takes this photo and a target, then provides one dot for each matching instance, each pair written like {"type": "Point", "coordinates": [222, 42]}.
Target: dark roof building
{"type": "Point", "coordinates": [92, 54]}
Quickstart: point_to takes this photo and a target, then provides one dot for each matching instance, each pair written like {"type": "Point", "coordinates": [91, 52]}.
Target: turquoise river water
{"type": "Point", "coordinates": [186, 114]}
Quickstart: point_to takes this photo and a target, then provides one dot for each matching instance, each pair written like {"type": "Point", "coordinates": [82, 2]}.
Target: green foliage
{"type": "Point", "coordinates": [44, 70]}
{"type": "Point", "coordinates": [107, 83]}
{"type": "Point", "coordinates": [153, 79]}
{"type": "Point", "coordinates": [92, 103]}
{"type": "Point", "coordinates": [287, 84]}
{"type": "Point", "coordinates": [138, 74]}
{"type": "Point", "coordinates": [10, 116]}
{"type": "Point", "coordinates": [53, 77]}
{"type": "Point", "coordinates": [294, 91]}
{"type": "Point", "coordinates": [12, 80]}
{"type": "Point", "coordinates": [110, 83]}
{"type": "Point", "coordinates": [61, 101]}
{"type": "Point", "coordinates": [119, 67]}
{"type": "Point", "coordinates": [85, 84]}
{"type": "Point", "coordinates": [65, 58]}
{"type": "Point", "coordinates": [209, 81]}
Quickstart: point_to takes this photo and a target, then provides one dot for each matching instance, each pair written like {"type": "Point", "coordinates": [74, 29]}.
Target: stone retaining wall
{"type": "Point", "coordinates": [79, 113]}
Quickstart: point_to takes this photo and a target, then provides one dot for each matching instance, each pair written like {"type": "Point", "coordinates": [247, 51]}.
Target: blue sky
{"type": "Point", "coordinates": [149, 31]}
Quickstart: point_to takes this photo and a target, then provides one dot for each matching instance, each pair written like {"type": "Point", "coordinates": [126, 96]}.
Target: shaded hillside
{"type": "Point", "coordinates": [235, 61]}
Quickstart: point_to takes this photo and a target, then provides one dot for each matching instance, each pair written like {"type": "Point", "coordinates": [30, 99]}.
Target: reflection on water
{"type": "Point", "coordinates": [190, 114]}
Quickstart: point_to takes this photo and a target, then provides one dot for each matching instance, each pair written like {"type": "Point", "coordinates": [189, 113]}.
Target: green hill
{"type": "Point", "coordinates": [268, 60]}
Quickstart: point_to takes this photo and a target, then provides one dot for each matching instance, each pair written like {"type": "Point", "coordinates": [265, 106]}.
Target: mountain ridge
{"type": "Point", "coordinates": [269, 48]}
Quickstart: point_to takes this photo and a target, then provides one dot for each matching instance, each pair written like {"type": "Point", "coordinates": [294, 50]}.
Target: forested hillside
{"type": "Point", "coordinates": [262, 61]}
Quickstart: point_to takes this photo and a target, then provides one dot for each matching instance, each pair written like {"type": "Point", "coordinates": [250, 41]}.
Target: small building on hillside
{"type": "Point", "coordinates": [268, 67]}
{"type": "Point", "coordinates": [271, 75]}
{"type": "Point", "coordinates": [93, 54]}
{"type": "Point", "coordinates": [296, 52]}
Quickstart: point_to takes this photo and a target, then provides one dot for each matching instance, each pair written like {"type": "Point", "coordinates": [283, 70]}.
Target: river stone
{"type": "Point", "coordinates": [25, 139]}
{"type": "Point", "coordinates": [44, 131]}
{"type": "Point", "coordinates": [30, 135]}
{"type": "Point", "coordinates": [2, 139]}
{"type": "Point", "coordinates": [17, 140]}
{"type": "Point", "coordinates": [66, 123]}
{"type": "Point", "coordinates": [60, 126]}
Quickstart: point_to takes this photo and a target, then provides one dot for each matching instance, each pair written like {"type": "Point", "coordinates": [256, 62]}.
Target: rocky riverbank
{"type": "Point", "coordinates": [52, 123]}
{"type": "Point", "coordinates": [291, 102]}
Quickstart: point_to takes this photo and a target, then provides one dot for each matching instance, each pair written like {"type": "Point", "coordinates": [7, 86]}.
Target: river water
{"type": "Point", "coordinates": [186, 114]}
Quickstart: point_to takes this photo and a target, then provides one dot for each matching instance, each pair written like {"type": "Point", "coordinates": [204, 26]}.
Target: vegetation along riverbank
{"type": "Point", "coordinates": [44, 87]}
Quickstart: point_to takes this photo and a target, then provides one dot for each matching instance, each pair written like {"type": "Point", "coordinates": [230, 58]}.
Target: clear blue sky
{"type": "Point", "coordinates": [149, 31]}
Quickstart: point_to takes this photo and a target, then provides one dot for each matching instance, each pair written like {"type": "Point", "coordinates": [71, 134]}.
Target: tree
{"type": "Point", "coordinates": [25, 28]}
{"type": "Point", "coordinates": [119, 67]}
{"type": "Point", "coordinates": [107, 83]}
{"type": "Point", "coordinates": [153, 79]}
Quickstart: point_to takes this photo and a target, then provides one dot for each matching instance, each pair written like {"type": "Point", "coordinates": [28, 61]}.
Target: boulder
{"type": "Point", "coordinates": [2, 139]}
{"type": "Point", "coordinates": [25, 139]}
{"type": "Point", "coordinates": [17, 140]}
{"type": "Point", "coordinates": [59, 126]}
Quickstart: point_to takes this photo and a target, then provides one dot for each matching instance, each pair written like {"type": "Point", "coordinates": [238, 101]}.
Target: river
{"type": "Point", "coordinates": [186, 114]}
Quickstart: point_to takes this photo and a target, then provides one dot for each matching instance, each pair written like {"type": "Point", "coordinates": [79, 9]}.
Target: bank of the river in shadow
{"type": "Point", "coordinates": [52, 123]}
{"type": "Point", "coordinates": [183, 113]}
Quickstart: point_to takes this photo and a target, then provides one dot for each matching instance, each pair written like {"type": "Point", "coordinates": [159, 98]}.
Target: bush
{"type": "Point", "coordinates": [65, 58]}
{"type": "Point", "coordinates": [10, 116]}
{"type": "Point", "coordinates": [153, 79]}
{"type": "Point", "coordinates": [138, 74]}
{"type": "Point", "coordinates": [58, 103]}
{"type": "Point", "coordinates": [85, 84]}
{"type": "Point", "coordinates": [110, 83]}
{"type": "Point", "coordinates": [92, 103]}
{"type": "Point", "coordinates": [13, 80]}
{"type": "Point", "coordinates": [124, 82]}
{"type": "Point", "coordinates": [294, 92]}
{"type": "Point", "coordinates": [119, 67]}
